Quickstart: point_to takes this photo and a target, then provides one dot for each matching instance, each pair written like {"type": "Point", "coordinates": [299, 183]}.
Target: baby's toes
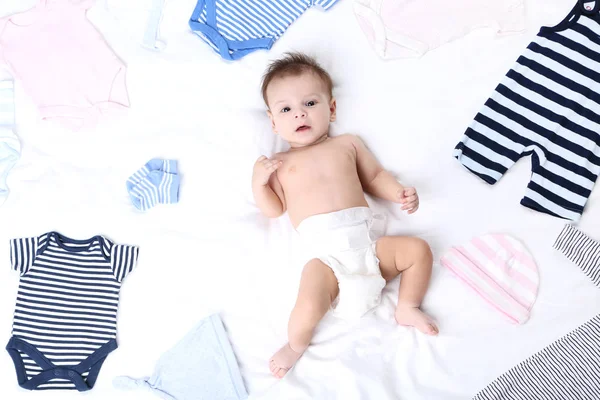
{"type": "Point", "coordinates": [281, 372]}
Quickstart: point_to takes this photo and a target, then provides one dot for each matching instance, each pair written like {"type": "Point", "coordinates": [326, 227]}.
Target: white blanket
{"type": "Point", "coordinates": [215, 252]}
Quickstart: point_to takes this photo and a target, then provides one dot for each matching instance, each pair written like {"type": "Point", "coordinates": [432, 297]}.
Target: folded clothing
{"type": "Point", "coordinates": [157, 182]}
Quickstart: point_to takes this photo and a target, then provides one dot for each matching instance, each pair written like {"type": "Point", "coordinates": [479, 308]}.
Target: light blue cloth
{"type": "Point", "coordinates": [157, 182]}
{"type": "Point", "coordinates": [139, 19]}
{"type": "Point", "coordinates": [201, 366]}
{"type": "Point", "coordinates": [150, 40]}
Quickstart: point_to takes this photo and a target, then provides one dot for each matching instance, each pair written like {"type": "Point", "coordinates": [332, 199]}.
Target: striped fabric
{"type": "Point", "coordinates": [582, 250]}
{"type": "Point", "coordinates": [568, 368]}
{"type": "Point", "coordinates": [547, 106]}
{"type": "Point", "coordinates": [65, 320]}
{"type": "Point", "coordinates": [235, 28]}
{"type": "Point", "coordinates": [10, 147]}
{"type": "Point", "coordinates": [157, 182]}
{"type": "Point", "coordinates": [500, 270]}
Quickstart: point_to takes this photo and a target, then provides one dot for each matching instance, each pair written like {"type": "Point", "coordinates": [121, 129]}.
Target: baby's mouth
{"type": "Point", "coordinates": [302, 128]}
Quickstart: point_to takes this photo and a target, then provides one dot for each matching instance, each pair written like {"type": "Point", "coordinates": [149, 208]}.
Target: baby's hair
{"type": "Point", "coordinates": [294, 64]}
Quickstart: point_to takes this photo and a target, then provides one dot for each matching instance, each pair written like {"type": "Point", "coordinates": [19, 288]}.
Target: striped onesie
{"type": "Point", "coordinates": [65, 321]}
{"type": "Point", "coordinates": [568, 369]}
{"type": "Point", "coordinates": [547, 106]}
{"type": "Point", "coordinates": [235, 28]}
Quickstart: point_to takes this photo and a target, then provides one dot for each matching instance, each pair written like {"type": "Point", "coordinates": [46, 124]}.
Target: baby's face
{"type": "Point", "coordinates": [300, 108]}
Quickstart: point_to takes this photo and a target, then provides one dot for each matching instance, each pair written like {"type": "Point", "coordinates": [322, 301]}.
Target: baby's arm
{"type": "Point", "coordinates": [266, 188]}
{"type": "Point", "coordinates": [379, 182]}
{"type": "Point", "coordinates": [375, 180]}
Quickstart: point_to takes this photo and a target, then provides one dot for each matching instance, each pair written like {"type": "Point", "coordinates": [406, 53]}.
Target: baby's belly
{"type": "Point", "coordinates": [304, 204]}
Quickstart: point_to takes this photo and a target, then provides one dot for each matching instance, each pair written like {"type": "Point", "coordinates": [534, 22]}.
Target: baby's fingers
{"type": "Point", "coordinates": [410, 191]}
{"type": "Point", "coordinates": [272, 165]}
{"type": "Point", "coordinates": [410, 205]}
{"type": "Point", "coordinates": [410, 199]}
{"type": "Point", "coordinates": [414, 210]}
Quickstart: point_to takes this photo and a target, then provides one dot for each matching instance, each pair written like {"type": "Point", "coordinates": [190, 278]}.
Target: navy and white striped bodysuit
{"type": "Point", "coordinates": [547, 106]}
{"type": "Point", "coordinates": [65, 321]}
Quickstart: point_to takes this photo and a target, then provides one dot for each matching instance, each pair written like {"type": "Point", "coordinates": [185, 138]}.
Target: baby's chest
{"type": "Point", "coordinates": [312, 170]}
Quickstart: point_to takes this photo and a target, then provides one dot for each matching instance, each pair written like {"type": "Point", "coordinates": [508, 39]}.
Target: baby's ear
{"type": "Point", "coordinates": [270, 115]}
{"type": "Point", "coordinates": [332, 109]}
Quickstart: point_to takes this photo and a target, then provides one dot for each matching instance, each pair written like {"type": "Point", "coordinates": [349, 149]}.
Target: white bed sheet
{"type": "Point", "coordinates": [214, 252]}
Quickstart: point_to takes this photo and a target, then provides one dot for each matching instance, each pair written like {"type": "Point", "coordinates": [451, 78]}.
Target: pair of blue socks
{"type": "Point", "coordinates": [157, 182]}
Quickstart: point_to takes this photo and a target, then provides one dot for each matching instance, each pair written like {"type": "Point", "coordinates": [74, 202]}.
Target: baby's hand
{"type": "Point", "coordinates": [263, 169]}
{"type": "Point", "coordinates": [409, 199]}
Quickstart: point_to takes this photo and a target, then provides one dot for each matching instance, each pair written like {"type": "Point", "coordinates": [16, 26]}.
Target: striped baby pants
{"type": "Point", "coordinates": [547, 106]}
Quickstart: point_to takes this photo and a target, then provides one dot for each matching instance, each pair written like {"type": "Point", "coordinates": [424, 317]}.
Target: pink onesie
{"type": "Point", "coordinates": [63, 62]}
{"type": "Point", "coordinates": [410, 28]}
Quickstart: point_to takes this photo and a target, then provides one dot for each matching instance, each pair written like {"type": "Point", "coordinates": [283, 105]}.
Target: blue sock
{"type": "Point", "coordinates": [156, 164]}
{"type": "Point", "coordinates": [155, 183]}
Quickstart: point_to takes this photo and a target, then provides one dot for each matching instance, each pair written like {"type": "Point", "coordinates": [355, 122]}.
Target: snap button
{"type": "Point", "coordinates": [71, 373]}
{"type": "Point", "coordinates": [57, 372]}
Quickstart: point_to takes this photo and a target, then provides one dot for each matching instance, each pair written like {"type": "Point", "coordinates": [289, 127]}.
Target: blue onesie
{"type": "Point", "coordinates": [234, 28]}
{"type": "Point", "coordinates": [65, 321]}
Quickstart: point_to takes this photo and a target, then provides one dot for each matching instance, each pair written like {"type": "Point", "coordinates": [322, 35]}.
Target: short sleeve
{"type": "Point", "coordinates": [22, 254]}
{"type": "Point", "coordinates": [123, 260]}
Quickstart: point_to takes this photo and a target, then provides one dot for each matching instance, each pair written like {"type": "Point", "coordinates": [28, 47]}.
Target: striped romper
{"type": "Point", "coordinates": [65, 320]}
{"type": "Point", "coordinates": [547, 106]}
{"type": "Point", "coordinates": [568, 369]}
{"type": "Point", "coordinates": [235, 28]}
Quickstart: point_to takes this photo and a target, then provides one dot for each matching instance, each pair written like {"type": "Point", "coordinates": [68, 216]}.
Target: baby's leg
{"type": "Point", "coordinates": [412, 257]}
{"type": "Point", "coordinates": [318, 288]}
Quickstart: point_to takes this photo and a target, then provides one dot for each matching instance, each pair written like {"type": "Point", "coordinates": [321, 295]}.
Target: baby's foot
{"type": "Point", "coordinates": [283, 360]}
{"type": "Point", "coordinates": [412, 316]}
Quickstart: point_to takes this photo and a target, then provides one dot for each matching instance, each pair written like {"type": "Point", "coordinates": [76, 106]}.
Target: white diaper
{"type": "Point", "coordinates": [345, 241]}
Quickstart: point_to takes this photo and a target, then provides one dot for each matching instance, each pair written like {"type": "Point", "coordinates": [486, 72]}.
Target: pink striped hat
{"type": "Point", "coordinates": [499, 269]}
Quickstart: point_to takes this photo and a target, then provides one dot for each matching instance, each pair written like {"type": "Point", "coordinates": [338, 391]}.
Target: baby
{"type": "Point", "coordinates": [321, 182]}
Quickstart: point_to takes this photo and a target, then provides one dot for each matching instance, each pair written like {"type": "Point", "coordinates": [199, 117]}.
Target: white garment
{"type": "Point", "coordinates": [345, 241]}
{"type": "Point", "coordinates": [410, 28]}
{"type": "Point", "coordinates": [10, 147]}
{"type": "Point", "coordinates": [141, 19]}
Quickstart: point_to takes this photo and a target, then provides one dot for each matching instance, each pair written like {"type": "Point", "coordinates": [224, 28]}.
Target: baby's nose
{"type": "Point", "coordinates": [301, 114]}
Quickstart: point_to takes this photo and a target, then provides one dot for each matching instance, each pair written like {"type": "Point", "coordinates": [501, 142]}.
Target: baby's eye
{"type": "Point", "coordinates": [285, 109]}
{"type": "Point", "coordinates": [311, 103]}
